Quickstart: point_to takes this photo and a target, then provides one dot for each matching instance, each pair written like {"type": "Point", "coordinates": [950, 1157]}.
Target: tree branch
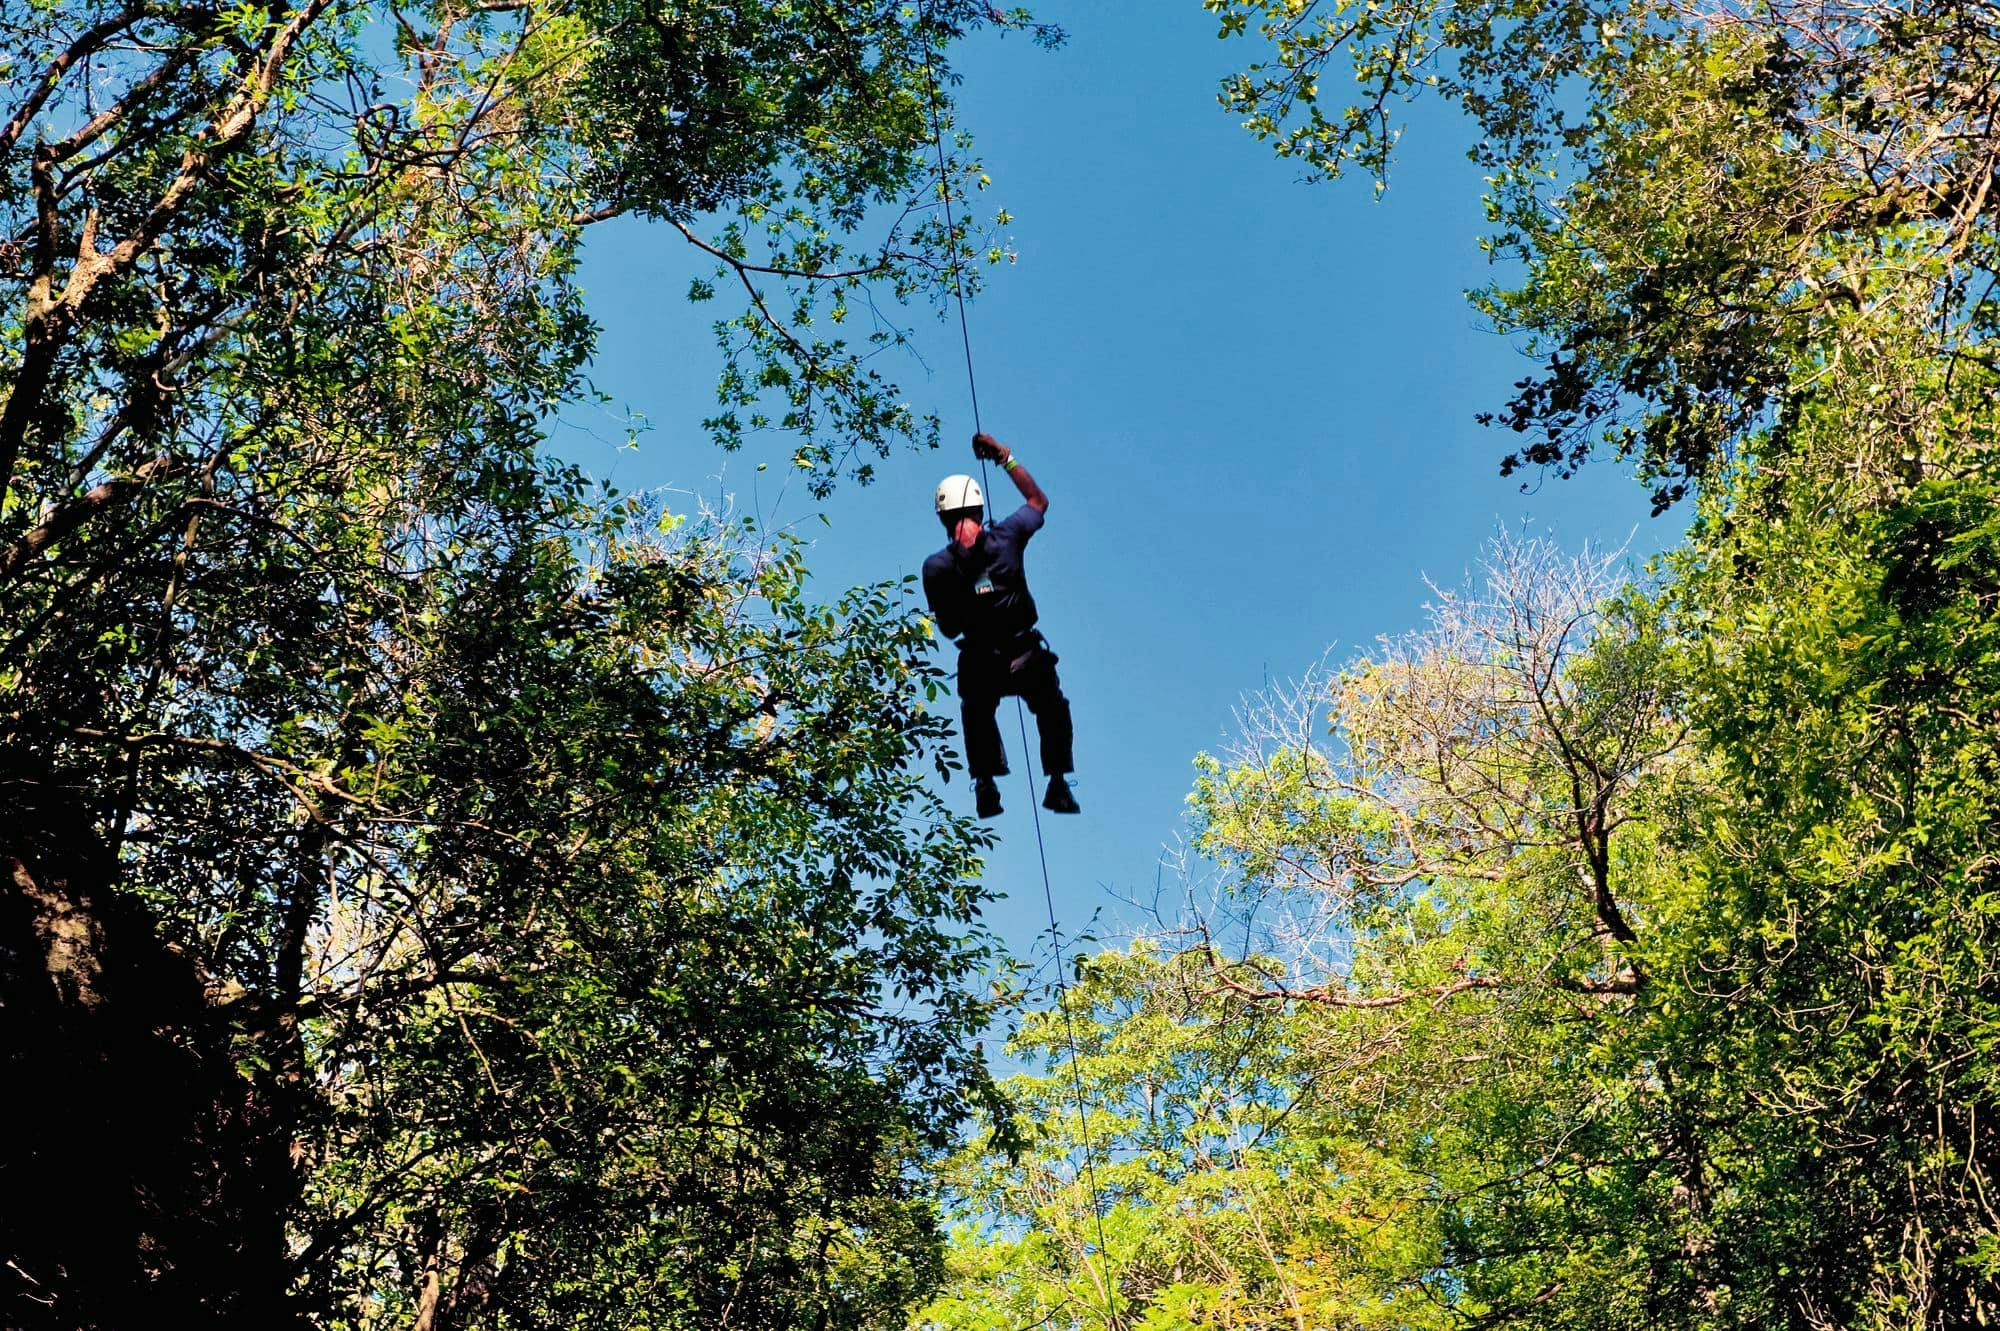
{"type": "Point", "coordinates": [65, 520]}
{"type": "Point", "coordinates": [81, 49]}
{"type": "Point", "coordinates": [1327, 996]}
{"type": "Point", "coordinates": [743, 266]}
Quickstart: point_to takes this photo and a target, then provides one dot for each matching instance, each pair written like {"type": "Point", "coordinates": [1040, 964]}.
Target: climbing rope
{"type": "Point", "coordinates": [951, 236]}
{"type": "Point", "coordinates": [1111, 1319]}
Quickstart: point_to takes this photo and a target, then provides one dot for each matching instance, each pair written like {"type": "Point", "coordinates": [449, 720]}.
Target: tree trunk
{"type": "Point", "coordinates": [143, 1182]}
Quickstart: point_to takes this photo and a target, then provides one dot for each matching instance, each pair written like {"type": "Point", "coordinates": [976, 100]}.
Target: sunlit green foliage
{"type": "Point", "coordinates": [1223, 1207]}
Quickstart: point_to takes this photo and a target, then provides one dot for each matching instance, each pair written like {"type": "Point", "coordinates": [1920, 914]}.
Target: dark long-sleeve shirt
{"type": "Point", "coordinates": [982, 592]}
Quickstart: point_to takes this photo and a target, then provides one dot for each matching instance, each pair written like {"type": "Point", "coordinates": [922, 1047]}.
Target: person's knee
{"type": "Point", "coordinates": [1044, 692]}
{"type": "Point", "coordinates": [1051, 701]}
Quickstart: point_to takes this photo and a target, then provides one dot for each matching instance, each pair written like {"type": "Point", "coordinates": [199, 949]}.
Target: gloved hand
{"type": "Point", "coordinates": [987, 448]}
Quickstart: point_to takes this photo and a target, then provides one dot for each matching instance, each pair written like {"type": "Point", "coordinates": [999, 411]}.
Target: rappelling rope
{"type": "Point", "coordinates": [1111, 1318]}
{"type": "Point", "coordinates": [951, 239]}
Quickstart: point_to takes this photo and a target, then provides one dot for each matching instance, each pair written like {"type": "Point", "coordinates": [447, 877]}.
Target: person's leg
{"type": "Point", "coordinates": [978, 700]}
{"type": "Point", "coordinates": [1042, 691]}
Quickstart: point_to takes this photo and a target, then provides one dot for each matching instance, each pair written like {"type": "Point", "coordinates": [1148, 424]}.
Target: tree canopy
{"type": "Point", "coordinates": [1613, 951]}
{"type": "Point", "coordinates": [442, 892]}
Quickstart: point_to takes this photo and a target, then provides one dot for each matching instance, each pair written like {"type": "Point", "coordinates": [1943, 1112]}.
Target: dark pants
{"type": "Point", "coordinates": [1027, 670]}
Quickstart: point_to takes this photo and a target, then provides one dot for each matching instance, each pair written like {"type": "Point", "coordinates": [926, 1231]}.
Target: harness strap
{"type": "Point", "coordinates": [1016, 651]}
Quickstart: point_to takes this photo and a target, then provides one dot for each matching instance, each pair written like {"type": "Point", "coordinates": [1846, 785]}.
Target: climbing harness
{"type": "Point", "coordinates": [1111, 1318]}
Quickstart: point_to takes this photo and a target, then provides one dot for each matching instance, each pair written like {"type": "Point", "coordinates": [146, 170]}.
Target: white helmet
{"type": "Point", "coordinates": [958, 492]}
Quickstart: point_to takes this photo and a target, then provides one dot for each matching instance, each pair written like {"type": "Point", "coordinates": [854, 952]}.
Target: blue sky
{"type": "Point", "coordinates": [1250, 400]}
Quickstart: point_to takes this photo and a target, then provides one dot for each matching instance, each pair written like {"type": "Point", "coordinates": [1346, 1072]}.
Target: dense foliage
{"type": "Point", "coordinates": [1608, 954]}
{"type": "Point", "coordinates": [1609, 961]}
{"type": "Point", "coordinates": [438, 893]}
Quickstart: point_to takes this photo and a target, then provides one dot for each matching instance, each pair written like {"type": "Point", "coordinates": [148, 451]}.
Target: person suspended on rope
{"type": "Point", "coordinates": [978, 593]}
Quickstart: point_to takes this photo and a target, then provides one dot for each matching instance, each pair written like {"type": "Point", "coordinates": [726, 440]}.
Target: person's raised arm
{"type": "Point", "coordinates": [987, 447]}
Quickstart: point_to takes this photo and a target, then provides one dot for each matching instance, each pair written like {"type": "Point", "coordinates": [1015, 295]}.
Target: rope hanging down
{"type": "Point", "coordinates": [1110, 1284]}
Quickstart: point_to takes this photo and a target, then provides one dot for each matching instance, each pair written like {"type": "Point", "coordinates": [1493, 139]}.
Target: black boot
{"type": "Point", "coordinates": [987, 796]}
{"type": "Point", "coordinates": [1059, 799]}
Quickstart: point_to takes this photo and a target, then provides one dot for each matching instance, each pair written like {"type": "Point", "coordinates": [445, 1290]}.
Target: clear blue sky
{"type": "Point", "coordinates": [1250, 401]}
